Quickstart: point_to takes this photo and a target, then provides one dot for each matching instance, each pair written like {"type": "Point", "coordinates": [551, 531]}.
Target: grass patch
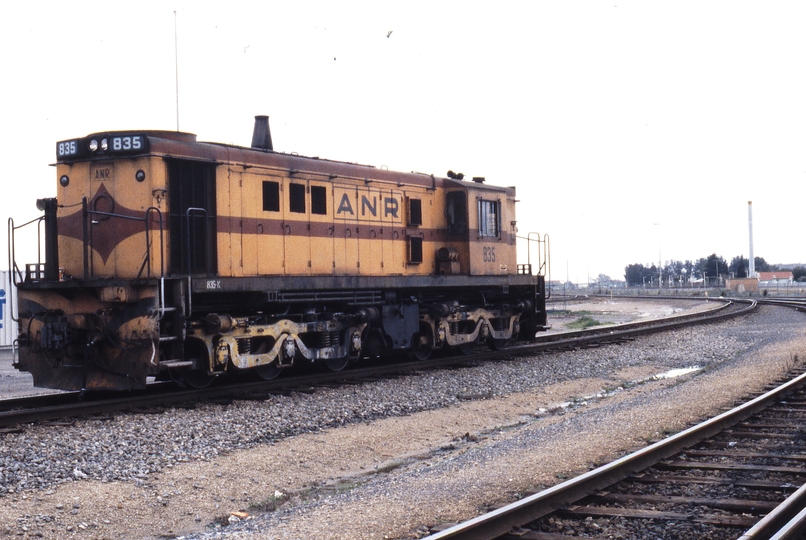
{"type": "Point", "coordinates": [269, 505]}
{"type": "Point", "coordinates": [792, 362]}
{"type": "Point", "coordinates": [584, 322]}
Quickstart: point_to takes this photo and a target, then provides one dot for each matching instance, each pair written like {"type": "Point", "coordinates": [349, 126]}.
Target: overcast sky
{"type": "Point", "coordinates": [633, 131]}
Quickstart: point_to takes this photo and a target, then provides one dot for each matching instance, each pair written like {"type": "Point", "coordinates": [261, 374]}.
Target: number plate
{"type": "Point", "coordinates": [102, 145]}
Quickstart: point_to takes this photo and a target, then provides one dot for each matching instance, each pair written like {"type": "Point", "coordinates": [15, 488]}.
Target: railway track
{"type": "Point", "coordinates": [734, 476]}
{"type": "Point", "coordinates": [72, 404]}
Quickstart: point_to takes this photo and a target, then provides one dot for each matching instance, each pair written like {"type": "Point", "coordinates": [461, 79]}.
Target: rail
{"type": "Point", "coordinates": [502, 520]}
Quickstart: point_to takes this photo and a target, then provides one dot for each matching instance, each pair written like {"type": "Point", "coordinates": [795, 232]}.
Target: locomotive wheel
{"type": "Point", "coordinates": [337, 364]}
{"type": "Point", "coordinates": [467, 348]}
{"type": "Point", "coordinates": [268, 372]}
{"type": "Point", "coordinates": [373, 346]}
{"type": "Point", "coordinates": [498, 344]}
{"type": "Point", "coordinates": [425, 343]}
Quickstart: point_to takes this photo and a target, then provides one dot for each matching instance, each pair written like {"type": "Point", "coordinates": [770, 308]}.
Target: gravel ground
{"type": "Point", "coordinates": [382, 459]}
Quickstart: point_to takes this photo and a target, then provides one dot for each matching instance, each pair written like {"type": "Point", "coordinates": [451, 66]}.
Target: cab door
{"type": "Point", "coordinates": [394, 214]}
{"type": "Point", "coordinates": [192, 217]}
{"type": "Point", "coordinates": [321, 228]}
{"type": "Point", "coordinates": [269, 225]}
{"type": "Point", "coordinates": [296, 228]}
{"type": "Point", "coordinates": [491, 213]}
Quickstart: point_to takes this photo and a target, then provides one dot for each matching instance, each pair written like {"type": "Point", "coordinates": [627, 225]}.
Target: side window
{"type": "Point", "coordinates": [271, 197]}
{"type": "Point", "coordinates": [456, 212]}
{"type": "Point", "coordinates": [415, 249]}
{"type": "Point", "coordinates": [489, 218]}
{"type": "Point", "coordinates": [415, 212]}
{"type": "Point", "coordinates": [318, 200]}
{"type": "Point", "coordinates": [296, 198]}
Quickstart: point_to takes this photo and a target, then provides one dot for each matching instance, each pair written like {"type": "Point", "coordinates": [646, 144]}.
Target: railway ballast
{"type": "Point", "coordinates": [391, 442]}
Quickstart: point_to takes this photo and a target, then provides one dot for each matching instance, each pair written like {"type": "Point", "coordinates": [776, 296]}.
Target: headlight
{"type": "Point", "coordinates": [104, 145]}
{"type": "Point", "coordinates": [64, 180]}
{"type": "Point", "coordinates": [93, 145]}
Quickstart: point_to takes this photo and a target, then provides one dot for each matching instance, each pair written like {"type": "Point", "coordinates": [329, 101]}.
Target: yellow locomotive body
{"type": "Point", "coordinates": [171, 257]}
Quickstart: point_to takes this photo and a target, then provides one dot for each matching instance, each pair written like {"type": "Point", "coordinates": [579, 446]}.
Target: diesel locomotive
{"type": "Point", "coordinates": [166, 257]}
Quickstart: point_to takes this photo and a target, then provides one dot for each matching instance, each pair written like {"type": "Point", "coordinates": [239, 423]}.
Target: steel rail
{"type": "Point", "coordinates": [502, 520]}
{"type": "Point", "coordinates": [167, 396]}
{"type": "Point", "coordinates": [629, 330]}
{"type": "Point", "coordinates": [787, 521]}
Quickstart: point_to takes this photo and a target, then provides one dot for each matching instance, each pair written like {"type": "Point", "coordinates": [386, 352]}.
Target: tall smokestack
{"type": "Point", "coordinates": [261, 136]}
{"type": "Point", "coordinates": [752, 272]}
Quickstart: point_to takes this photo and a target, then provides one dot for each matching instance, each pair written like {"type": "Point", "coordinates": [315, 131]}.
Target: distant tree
{"type": "Point", "coordinates": [638, 274]}
{"type": "Point", "coordinates": [712, 266]}
{"type": "Point", "coordinates": [799, 273]}
{"type": "Point", "coordinates": [675, 268]}
{"type": "Point", "coordinates": [700, 266]}
{"type": "Point", "coordinates": [761, 265]}
{"type": "Point", "coordinates": [603, 278]}
{"type": "Point", "coordinates": [634, 274]}
{"type": "Point", "coordinates": [739, 266]}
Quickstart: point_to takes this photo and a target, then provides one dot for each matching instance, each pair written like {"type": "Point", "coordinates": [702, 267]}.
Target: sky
{"type": "Point", "coordinates": [633, 131]}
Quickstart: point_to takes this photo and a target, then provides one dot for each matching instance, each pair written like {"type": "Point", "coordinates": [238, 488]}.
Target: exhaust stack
{"type": "Point", "coordinates": [752, 271]}
{"type": "Point", "coordinates": [261, 136]}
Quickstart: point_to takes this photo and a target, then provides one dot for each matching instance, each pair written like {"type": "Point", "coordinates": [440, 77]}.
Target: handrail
{"type": "Point", "coordinates": [149, 210]}
{"type": "Point", "coordinates": [12, 258]}
{"type": "Point", "coordinates": [544, 258]}
{"type": "Point", "coordinates": [190, 210]}
{"type": "Point", "coordinates": [147, 261]}
{"type": "Point", "coordinates": [15, 275]}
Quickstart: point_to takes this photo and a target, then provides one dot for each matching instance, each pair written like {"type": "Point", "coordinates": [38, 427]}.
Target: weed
{"type": "Point", "coordinates": [270, 504]}
{"type": "Point", "coordinates": [791, 363]}
{"type": "Point", "coordinates": [584, 322]}
{"type": "Point", "coordinates": [390, 466]}
{"type": "Point", "coordinates": [615, 387]}
{"type": "Point", "coordinates": [346, 485]}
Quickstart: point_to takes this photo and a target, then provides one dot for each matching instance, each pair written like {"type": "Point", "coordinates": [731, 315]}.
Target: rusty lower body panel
{"type": "Point", "coordinates": [105, 335]}
{"type": "Point", "coordinates": [71, 339]}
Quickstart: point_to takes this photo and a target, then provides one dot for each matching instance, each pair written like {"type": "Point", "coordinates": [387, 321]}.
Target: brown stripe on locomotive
{"type": "Point", "coordinates": [293, 223]}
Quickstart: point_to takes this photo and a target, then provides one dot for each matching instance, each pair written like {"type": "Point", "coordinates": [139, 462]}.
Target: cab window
{"type": "Point", "coordinates": [456, 212]}
{"type": "Point", "coordinates": [489, 218]}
